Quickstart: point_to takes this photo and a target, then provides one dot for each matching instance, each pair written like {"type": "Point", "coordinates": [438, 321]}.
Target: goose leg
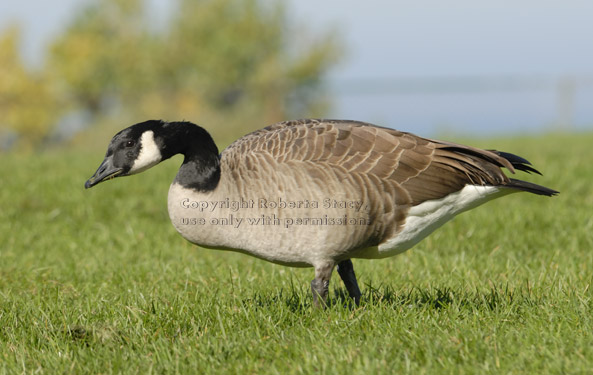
{"type": "Point", "coordinates": [320, 284]}
{"type": "Point", "coordinates": [346, 272]}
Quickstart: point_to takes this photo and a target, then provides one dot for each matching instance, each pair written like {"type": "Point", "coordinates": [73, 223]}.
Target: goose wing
{"type": "Point", "coordinates": [425, 169]}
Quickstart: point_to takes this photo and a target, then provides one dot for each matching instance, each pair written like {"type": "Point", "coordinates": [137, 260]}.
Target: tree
{"type": "Point", "coordinates": [225, 61]}
{"type": "Point", "coordinates": [240, 63]}
{"type": "Point", "coordinates": [27, 102]}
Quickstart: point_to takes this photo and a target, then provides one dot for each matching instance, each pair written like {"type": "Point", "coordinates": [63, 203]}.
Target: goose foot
{"type": "Point", "coordinates": [346, 272]}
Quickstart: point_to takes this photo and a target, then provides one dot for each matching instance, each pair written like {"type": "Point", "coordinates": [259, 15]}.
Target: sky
{"type": "Point", "coordinates": [427, 66]}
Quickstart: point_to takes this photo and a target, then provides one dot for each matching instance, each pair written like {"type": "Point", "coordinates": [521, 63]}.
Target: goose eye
{"type": "Point", "coordinates": [130, 143]}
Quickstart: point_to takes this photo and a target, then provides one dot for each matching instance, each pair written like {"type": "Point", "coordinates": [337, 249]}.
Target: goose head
{"type": "Point", "coordinates": [144, 145]}
{"type": "Point", "coordinates": [130, 151]}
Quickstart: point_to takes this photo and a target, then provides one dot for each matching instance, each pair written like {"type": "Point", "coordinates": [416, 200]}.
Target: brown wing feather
{"type": "Point", "coordinates": [425, 169]}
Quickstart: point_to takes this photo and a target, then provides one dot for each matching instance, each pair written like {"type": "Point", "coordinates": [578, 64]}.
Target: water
{"type": "Point", "coordinates": [432, 112]}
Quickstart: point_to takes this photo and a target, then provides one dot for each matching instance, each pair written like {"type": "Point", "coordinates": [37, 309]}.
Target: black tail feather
{"type": "Point", "coordinates": [531, 187]}
{"type": "Point", "coordinates": [524, 165]}
{"type": "Point", "coordinates": [517, 162]}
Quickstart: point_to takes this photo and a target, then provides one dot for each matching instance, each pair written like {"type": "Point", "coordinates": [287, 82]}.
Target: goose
{"type": "Point", "coordinates": [314, 193]}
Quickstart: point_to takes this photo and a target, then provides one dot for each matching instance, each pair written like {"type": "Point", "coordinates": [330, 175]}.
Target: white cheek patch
{"type": "Point", "coordinates": [149, 156]}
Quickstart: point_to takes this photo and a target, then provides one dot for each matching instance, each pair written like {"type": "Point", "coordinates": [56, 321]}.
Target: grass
{"type": "Point", "coordinates": [99, 282]}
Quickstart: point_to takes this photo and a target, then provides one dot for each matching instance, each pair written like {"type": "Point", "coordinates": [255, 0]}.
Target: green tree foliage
{"type": "Point", "coordinates": [232, 65]}
{"type": "Point", "coordinates": [27, 104]}
{"type": "Point", "coordinates": [240, 63]}
{"type": "Point", "coordinates": [101, 54]}
{"type": "Point", "coordinates": [243, 56]}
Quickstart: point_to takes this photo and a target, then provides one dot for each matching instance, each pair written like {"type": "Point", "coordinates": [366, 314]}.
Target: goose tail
{"type": "Point", "coordinates": [531, 187]}
{"type": "Point", "coordinates": [524, 165]}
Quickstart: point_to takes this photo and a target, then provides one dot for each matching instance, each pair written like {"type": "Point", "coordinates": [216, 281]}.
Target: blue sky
{"type": "Point", "coordinates": [482, 67]}
{"type": "Point", "coordinates": [460, 37]}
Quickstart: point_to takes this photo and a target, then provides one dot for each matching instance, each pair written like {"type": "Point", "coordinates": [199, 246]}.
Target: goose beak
{"type": "Point", "coordinates": [106, 171]}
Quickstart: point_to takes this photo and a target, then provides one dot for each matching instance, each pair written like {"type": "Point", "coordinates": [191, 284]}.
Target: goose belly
{"type": "Point", "coordinates": [310, 226]}
{"type": "Point", "coordinates": [294, 227]}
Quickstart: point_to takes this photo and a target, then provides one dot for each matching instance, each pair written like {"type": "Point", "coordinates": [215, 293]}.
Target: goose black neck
{"type": "Point", "coordinates": [201, 164]}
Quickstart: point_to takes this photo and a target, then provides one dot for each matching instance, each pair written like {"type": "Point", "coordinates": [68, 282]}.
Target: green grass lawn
{"type": "Point", "coordinates": [98, 281]}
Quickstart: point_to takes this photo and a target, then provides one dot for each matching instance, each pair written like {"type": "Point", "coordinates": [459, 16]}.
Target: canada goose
{"type": "Point", "coordinates": [314, 192]}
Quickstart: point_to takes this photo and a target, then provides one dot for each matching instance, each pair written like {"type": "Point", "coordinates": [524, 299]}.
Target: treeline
{"type": "Point", "coordinates": [231, 62]}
